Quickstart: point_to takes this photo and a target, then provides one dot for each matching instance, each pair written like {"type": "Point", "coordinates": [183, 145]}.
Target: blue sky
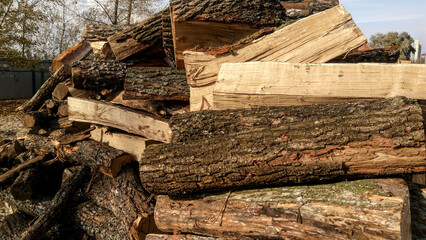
{"type": "Point", "coordinates": [374, 16]}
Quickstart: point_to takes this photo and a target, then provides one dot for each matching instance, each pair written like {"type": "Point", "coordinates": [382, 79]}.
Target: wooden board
{"type": "Point", "coordinates": [364, 209]}
{"type": "Point", "coordinates": [317, 38]}
{"type": "Point", "coordinates": [72, 54]}
{"type": "Point", "coordinates": [126, 119]}
{"type": "Point", "coordinates": [245, 85]}
{"type": "Point", "coordinates": [131, 144]}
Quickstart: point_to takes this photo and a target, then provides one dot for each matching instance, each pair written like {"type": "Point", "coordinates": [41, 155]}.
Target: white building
{"type": "Point", "coordinates": [418, 51]}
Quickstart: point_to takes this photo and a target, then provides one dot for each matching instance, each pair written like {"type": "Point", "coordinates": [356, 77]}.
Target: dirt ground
{"type": "Point", "coordinates": [9, 106]}
{"type": "Point", "coordinates": [10, 120]}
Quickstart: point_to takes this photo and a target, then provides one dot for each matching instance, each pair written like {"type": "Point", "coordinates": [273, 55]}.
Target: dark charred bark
{"type": "Point", "coordinates": [379, 55]}
{"type": "Point", "coordinates": [45, 92]}
{"type": "Point", "coordinates": [33, 208]}
{"type": "Point", "coordinates": [39, 143]}
{"type": "Point", "coordinates": [139, 38]}
{"type": "Point", "coordinates": [12, 226]}
{"type": "Point", "coordinates": [9, 152]}
{"type": "Point", "coordinates": [125, 197]}
{"type": "Point", "coordinates": [26, 184]}
{"type": "Point", "coordinates": [156, 84]}
{"type": "Point", "coordinates": [97, 156]}
{"type": "Point", "coordinates": [97, 32]}
{"type": "Point", "coordinates": [98, 75]}
{"type": "Point", "coordinates": [57, 208]}
{"type": "Point", "coordinates": [257, 12]}
{"type": "Point", "coordinates": [306, 144]}
{"type": "Point", "coordinates": [418, 210]}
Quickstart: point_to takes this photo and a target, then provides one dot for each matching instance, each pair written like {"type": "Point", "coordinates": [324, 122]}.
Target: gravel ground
{"type": "Point", "coordinates": [10, 121]}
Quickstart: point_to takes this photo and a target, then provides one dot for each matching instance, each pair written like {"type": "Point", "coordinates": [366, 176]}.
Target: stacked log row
{"type": "Point", "coordinates": [98, 75]}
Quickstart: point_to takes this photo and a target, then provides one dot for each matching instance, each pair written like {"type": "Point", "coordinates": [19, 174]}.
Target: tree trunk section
{"type": "Point", "coordinates": [125, 197]}
{"type": "Point", "coordinates": [318, 143]}
{"type": "Point", "coordinates": [98, 156]}
{"type": "Point", "coordinates": [98, 32]}
{"type": "Point", "coordinates": [61, 91]}
{"type": "Point", "coordinates": [45, 92]}
{"type": "Point", "coordinates": [315, 39]}
{"type": "Point", "coordinates": [98, 75]}
{"type": "Point", "coordinates": [136, 39]}
{"type": "Point", "coordinates": [55, 211]}
{"type": "Point", "coordinates": [126, 119]}
{"type": "Point", "coordinates": [36, 119]}
{"type": "Point", "coordinates": [379, 55]}
{"type": "Point", "coordinates": [364, 209]}
{"type": "Point", "coordinates": [156, 84]}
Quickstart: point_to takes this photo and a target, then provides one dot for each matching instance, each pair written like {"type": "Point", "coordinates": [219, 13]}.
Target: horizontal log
{"type": "Point", "coordinates": [138, 38]}
{"type": "Point", "coordinates": [128, 143]}
{"type": "Point", "coordinates": [61, 91]}
{"type": "Point", "coordinates": [298, 9]}
{"type": "Point", "coordinates": [129, 120]}
{"type": "Point", "coordinates": [316, 143]}
{"type": "Point", "coordinates": [98, 75]}
{"type": "Point", "coordinates": [100, 32]}
{"type": "Point", "coordinates": [168, 45]}
{"type": "Point", "coordinates": [364, 209]}
{"type": "Point", "coordinates": [315, 39]}
{"type": "Point", "coordinates": [36, 119]}
{"type": "Point", "coordinates": [32, 208]}
{"type": "Point", "coordinates": [156, 84]}
{"type": "Point", "coordinates": [178, 237]}
{"type": "Point", "coordinates": [245, 85]}
{"type": "Point", "coordinates": [378, 55]}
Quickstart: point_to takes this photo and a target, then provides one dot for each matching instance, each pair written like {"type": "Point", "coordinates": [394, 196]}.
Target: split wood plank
{"type": "Point", "coordinates": [126, 119]}
{"type": "Point", "coordinates": [245, 85]}
{"type": "Point", "coordinates": [315, 39]}
{"type": "Point", "coordinates": [131, 144]}
{"type": "Point", "coordinates": [72, 54]}
{"type": "Point", "coordinates": [306, 144]}
{"type": "Point", "coordinates": [363, 209]}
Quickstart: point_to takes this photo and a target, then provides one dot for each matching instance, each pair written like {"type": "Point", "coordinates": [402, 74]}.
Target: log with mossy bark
{"type": "Point", "coordinates": [315, 39]}
{"type": "Point", "coordinates": [208, 24]}
{"type": "Point", "coordinates": [139, 38]}
{"type": "Point", "coordinates": [125, 197]}
{"type": "Point", "coordinates": [378, 55]}
{"type": "Point", "coordinates": [157, 84]}
{"type": "Point", "coordinates": [98, 75]}
{"type": "Point", "coordinates": [306, 144]}
{"type": "Point", "coordinates": [363, 209]}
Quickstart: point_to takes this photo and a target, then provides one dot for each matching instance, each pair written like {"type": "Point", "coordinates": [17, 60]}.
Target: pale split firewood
{"type": "Point", "coordinates": [57, 208]}
{"type": "Point", "coordinates": [61, 91]}
{"type": "Point", "coordinates": [99, 157]}
{"type": "Point", "coordinates": [306, 144]}
{"type": "Point", "coordinates": [72, 54]}
{"type": "Point", "coordinates": [45, 91]}
{"type": "Point", "coordinates": [126, 119]}
{"type": "Point", "coordinates": [208, 24]}
{"type": "Point", "coordinates": [128, 143]}
{"type": "Point", "coordinates": [63, 110]}
{"type": "Point", "coordinates": [315, 39]}
{"type": "Point", "coordinates": [157, 84]}
{"type": "Point", "coordinates": [245, 85]}
{"type": "Point", "coordinates": [363, 209]}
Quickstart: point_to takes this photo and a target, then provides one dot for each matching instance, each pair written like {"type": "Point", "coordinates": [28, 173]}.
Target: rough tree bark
{"type": "Point", "coordinates": [168, 46]}
{"type": "Point", "coordinates": [418, 210]}
{"type": "Point", "coordinates": [179, 237]}
{"type": "Point", "coordinates": [98, 75]}
{"type": "Point", "coordinates": [97, 32]}
{"type": "Point", "coordinates": [97, 156]}
{"type": "Point", "coordinates": [379, 55]}
{"type": "Point", "coordinates": [45, 92]}
{"type": "Point", "coordinates": [317, 143]}
{"type": "Point", "coordinates": [364, 209]}
{"type": "Point", "coordinates": [136, 39]}
{"type": "Point", "coordinates": [13, 225]}
{"type": "Point", "coordinates": [125, 197]}
{"type": "Point", "coordinates": [156, 84]}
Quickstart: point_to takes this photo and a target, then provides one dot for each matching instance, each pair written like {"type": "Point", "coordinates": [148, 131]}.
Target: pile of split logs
{"type": "Point", "coordinates": [222, 119]}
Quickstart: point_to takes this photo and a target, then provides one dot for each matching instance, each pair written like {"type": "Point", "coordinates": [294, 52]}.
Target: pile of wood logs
{"type": "Point", "coordinates": [222, 120]}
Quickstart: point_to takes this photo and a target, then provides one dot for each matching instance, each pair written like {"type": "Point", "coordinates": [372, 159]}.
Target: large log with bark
{"type": "Point", "coordinates": [364, 209]}
{"type": "Point", "coordinates": [179, 237]}
{"type": "Point", "coordinates": [36, 119]}
{"type": "Point", "coordinates": [378, 55]}
{"type": "Point", "coordinates": [208, 24]}
{"type": "Point", "coordinates": [156, 84]}
{"type": "Point", "coordinates": [139, 38]}
{"type": "Point", "coordinates": [72, 54]}
{"type": "Point", "coordinates": [125, 197]}
{"type": "Point", "coordinates": [307, 144]}
{"type": "Point", "coordinates": [315, 39]}
{"type": "Point", "coordinates": [45, 91]}
{"type": "Point", "coordinates": [98, 75]}
{"type": "Point", "coordinates": [99, 157]}
{"type": "Point", "coordinates": [100, 32]}
{"type": "Point", "coordinates": [126, 119]}
{"type": "Point", "coordinates": [168, 46]}
{"type": "Point", "coordinates": [245, 85]}
{"type": "Point", "coordinates": [418, 210]}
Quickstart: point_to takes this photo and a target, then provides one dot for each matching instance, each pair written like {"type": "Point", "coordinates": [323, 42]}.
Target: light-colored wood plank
{"type": "Point", "coordinates": [131, 144]}
{"type": "Point", "coordinates": [245, 85]}
{"type": "Point", "coordinates": [97, 46]}
{"type": "Point", "coordinates": [129, 120]}
{"type": "Point", "coordinates": [72, 54]}
{"type": "Point", "coordinates": [315, 39]}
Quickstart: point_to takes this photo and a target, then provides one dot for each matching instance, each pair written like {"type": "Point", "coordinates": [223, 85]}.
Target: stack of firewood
{"type": "Point", "coordinates": [222, 120]}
